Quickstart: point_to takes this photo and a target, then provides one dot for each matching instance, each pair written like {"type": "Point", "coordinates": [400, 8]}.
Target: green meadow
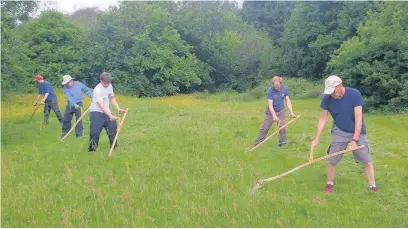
{"type": "Point", "coordinates": [181, 162]}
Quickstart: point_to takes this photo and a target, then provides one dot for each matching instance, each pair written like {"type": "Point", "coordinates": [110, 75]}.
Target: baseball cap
{"type": "Point", "coordinates": [331, 83]}
{"type": "Point", "coordinates": [66, 79]}
{"type": "Point", "coordinates": [38, 78]}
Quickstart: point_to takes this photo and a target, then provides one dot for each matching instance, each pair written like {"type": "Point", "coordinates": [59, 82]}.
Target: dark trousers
{"type": "Point", "coordinates": [51, 105]}
{"type": "Point", "coordinates": [98, 122]}
{"type": "Point", "coordinates": [66, 121]}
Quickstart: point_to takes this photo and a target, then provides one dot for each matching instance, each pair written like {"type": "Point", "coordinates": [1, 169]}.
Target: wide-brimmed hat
{"type": "Point", "coordinates": [66, 79]}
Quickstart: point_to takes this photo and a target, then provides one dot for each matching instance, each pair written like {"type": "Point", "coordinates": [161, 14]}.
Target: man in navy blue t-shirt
{"type": "Point", "coordinates": [345, 105]}
{"type": "Point", "coordinates": [275, 110]}
{"type": "Point", "coordinates": [50, 98]}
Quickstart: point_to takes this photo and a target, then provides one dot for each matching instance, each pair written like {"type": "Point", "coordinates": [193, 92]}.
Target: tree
{"type": "Point", "coordinates": [86, 17]}
{"type": "Point", "coordinates": [348, 19]}
{"type": "Point", "coordinates": [16, 67]}
{"type": "Point", "coordinates": [57, 45]}
{"type": "Point", "coordinates": [308, 21]}
{"type": "Point", "coordinates": [376, 60]}
{"type": "Point", "coordinates": [16, 12]}
{"type": "Point", "coordinates": [137, 42]}
{"type": "Point", "coordinates": [269, 16]}
{"type": "Point", "coordinates": [314, 31]}
{"type": "Point", "coordinates": [240, 56]}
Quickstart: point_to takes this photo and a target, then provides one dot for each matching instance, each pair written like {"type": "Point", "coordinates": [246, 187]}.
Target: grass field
{"type": "Point", "coordinates": [181, 163]}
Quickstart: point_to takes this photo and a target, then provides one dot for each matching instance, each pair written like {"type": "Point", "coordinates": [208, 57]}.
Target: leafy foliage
{"type": "Point", "coordinates": [137, 42]}
{"type": "Point", "coordinates": [239, 55]}
{"type": "Point", "coordinates": [16, 66]}
{"type": "Point", "coordinates": [57, 46]}
{"type": "Point", "coordinates": [376, 60]}
{"type": "Point", "coordinates": [164, 48]}
{"type": "Point", "coordinates": [269, 16]}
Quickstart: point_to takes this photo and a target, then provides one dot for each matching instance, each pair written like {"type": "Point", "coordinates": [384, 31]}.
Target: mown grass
{"type": "Point", "coordinates": [181, 163]}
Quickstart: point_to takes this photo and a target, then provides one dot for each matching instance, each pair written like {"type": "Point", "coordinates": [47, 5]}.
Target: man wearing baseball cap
{"type": "Point", "coordinates": [73, 90]}
{"type": "Point", "coordinates": [101, 115]}
{"type": "Point", "coordinates": [345, 105]}
{"type": "Point", "coordinates": [50, 98]}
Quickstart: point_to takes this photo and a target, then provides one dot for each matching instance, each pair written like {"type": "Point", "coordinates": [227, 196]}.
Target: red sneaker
{"type": "Point", "coordinates": [374, 189]}
{"type": "Point", "coordinates": [328, 188]}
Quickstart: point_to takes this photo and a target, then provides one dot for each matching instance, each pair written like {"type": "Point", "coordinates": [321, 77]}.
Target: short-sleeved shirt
{"type": "Point", "coordinates": [342, 110]}
{"type": "Point", "coordinates": [46, 87]}
{"type": "Point", "coordinates": [277, 97]}
{"type": "Point", "coordinates": [101, 94]}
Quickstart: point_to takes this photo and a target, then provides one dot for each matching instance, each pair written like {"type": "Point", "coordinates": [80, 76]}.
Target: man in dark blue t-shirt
{"type": "Point", "coordinates": [50, 98]}
{"type": "Point", "coordinates": [275, 110]}
{"type": "Point", "coordinates": [345, 105]}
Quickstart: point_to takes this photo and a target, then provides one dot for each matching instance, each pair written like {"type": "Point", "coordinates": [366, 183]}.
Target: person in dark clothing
{"type": "Point", "coordinates": [50, 100]}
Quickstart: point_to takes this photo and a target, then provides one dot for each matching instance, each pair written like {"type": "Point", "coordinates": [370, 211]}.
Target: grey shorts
{"type": "Point", "coordinates": [339, 142]}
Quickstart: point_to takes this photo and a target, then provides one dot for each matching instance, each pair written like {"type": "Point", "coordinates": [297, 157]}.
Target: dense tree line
{"type": "Point", "coordinates": [163, 48]}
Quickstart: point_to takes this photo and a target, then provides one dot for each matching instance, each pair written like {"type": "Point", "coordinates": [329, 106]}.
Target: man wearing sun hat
{"type": "Point", "coordinates": [50, 100]}
{"type": "Point", "coordinates": [349, 130]}
{"type": "Point", "coordinates": [73, 90]}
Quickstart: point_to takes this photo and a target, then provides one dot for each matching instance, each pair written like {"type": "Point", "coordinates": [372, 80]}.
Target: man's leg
{"type": "Point", "coordinates": [266, 125]}
{"type": "Point", "coordinates": [55, 108]}
{"type": "Point", "coordinates": [47, 110]}
{"type": "Point", "coordinates": [96, 126]}
{"type": "Point", "coordinates": [364, 156]}
{"type": "Point", "coordinates": [339, 142]}
{"type": "Point", "coordinates": [282, 133]}
{"type": "Point", "coordinates": [66, 121]}
{"type": "Point", "coordinates": [79, 128]}
{"type": "Point", "coordinates": [111, 128]}
{"type": "Point", "coordinates": [369, 172]}
{"type": "Point", "coordinates": [331, 173]}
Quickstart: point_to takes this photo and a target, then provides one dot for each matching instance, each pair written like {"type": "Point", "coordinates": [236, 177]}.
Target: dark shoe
{"type": "Point", "coordinates": [92, 146]}
{"type": "Point", "coordinates": [280, 144]}
{"type": "Point", "coordinates": [78, 136]}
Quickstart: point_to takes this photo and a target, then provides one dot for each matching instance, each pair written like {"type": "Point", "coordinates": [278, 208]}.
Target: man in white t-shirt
{"type": "Point", "coordinates": [101, 116]}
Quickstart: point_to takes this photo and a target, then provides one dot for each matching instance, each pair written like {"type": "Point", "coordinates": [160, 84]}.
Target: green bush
{"type": "Point", "coordinates": [138, 44]}
{"type": "Point", "coordinates": [57, 46]}
{"type": "Point", "coordinates": [376, 61]}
